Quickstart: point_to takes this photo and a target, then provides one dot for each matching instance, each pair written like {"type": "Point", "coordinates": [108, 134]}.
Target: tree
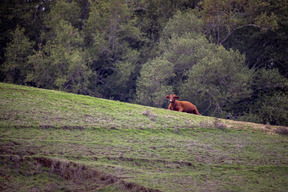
{"type": "Point", "coordinates": [201, 72]}
{"type": "Point", "coordinates": [181, 23]}
{"type": "Point", "coordinates": [268, 103]}
{"type": "Point", "coordinates": [61, 62]}
{"type": "Point", "coordinates": [272, 108]}
{"type": "Point", "coordinates": [153, 82]}
{"type": "Point", "coordinates": [223, 17]}
{"type": "Point", "coordinates": [112, 39]}
{"type": "Point", "coordinates": [26, 14]}
{"type": "Point", "coordinates": [17, 51]}
{"type": "Point", "coordinates": [257, 29]}
{"type": "Point", "coordinates": [66, 10]}
{"type": "Point", "coordinates": [217, 81]}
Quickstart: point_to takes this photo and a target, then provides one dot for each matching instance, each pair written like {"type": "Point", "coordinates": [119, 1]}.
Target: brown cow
{"type": "Point", "coordinates": [181, 106]}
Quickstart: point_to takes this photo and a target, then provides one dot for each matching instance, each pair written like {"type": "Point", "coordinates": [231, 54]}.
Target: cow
{"type": "Point", "coordinates": [181, 106]}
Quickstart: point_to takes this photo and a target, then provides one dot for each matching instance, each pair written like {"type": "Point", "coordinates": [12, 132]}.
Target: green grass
{"type": "Point", "coordinates": [56, 141]}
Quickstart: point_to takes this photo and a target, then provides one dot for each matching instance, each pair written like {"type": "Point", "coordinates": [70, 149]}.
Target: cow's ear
{"type": "Point", "coordinates": [167, 97]}
{"type": "Point", "coordinates": [176, 97]}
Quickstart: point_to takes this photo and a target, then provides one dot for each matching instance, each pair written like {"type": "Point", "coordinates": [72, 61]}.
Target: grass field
{"type": "Point", "coordinates": [57, 141]}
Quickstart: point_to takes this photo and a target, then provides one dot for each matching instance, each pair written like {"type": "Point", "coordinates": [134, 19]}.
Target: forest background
{"type": "Point", "coordinates": [228, 57]}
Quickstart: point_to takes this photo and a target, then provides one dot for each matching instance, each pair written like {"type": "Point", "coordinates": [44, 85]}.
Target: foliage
{"type": "Point", "coordinates": [16, 66]}
{"type": "Point", "coordinates": [269, 103]}
{"type": "Point", "coordinates": [272, 108]}
{"type": "Point", "coordinates": [205, 74]}
{"type": "Point", "coordinates": [181, 23]}
{"type": "Point", "coordinates": [153, 82]}
{"type": "Point", "coordinates": [110, 49]}
{"type": "Point", "coordinates": [268, 80]}
{"type": "Point", "coordinates": [111, 36]}
{"type": "Point", "coordinates": [223, 17]}
{"type": "Point", "coordinates": [68, 11]}
{"type": "Point", "coordinates": [159, 76]}
{"type": "Point", "coordinates": [256, 28]}
{"type": "Point", "coordinates": [218, 81]}
{"type": "Point", "coordinates": [62, 51]}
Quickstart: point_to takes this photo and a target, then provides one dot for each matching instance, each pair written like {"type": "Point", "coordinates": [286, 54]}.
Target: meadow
{"type": "Point", "coordinates": [57, 141]}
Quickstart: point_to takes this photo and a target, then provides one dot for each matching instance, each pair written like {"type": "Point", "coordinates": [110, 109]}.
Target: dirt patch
{"type": "Point", "coordinates": [181, 163]}
{"type": "Point", "coordinates": [78, 173]}
{"type": "Point", "coordinates": [281, 130]}
{"type": "Point", "coordinates": [50, 127]}
{"type": "Point", "coordinates": [62, 127]}
{"type": "Point", "coordinates": [83, 177]}
{"type": "Point", "coordinates": [149, 114]}
{"type": "Point", "coordinates": [72, 127]}
{"type": "Point", "coordinates": [14, 89]}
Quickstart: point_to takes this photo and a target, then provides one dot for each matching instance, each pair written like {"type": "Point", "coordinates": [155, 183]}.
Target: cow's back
{"type": "Point", "coordinates": [188, 107]}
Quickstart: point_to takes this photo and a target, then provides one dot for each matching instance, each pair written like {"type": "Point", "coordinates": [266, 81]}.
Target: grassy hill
{"type": "Point", "coordinates": [57, 141]}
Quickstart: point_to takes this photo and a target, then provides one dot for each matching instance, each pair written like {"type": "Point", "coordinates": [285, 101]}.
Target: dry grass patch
{"type": "Point", "coordinates": [149, 114]}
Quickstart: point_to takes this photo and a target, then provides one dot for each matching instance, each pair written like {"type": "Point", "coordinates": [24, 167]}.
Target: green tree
{"type": "Point", "coordinates": [66, 10]}
{"type": "Point", "coordinates": [217, 81]}
{"type": "Point", "coordinates": [112, 39]}
{"type": "Point", "coordinates": [43, 73]}
{"type": "Point", "coordinates": [181, 23]}
{"type": "Point", "coordinates": [122, 81]}
{"type": "Point", "coordinates": [272, 108]}
{"type": "Point", "coordinates": [265, 49]}
{"type": "Point", "coordinates": [223, 17]}
{"type": "Point", "coordinates": [153, 83]}
{"type": "Point", "coordinates": [17, 51]}
{"type": "Point", "coordinates": [61, 62]}
{"type": "Point", "coordinates": [201, 72]}
{"type": "Point", "coordinates": [257, 29]}
{"type": "Point", "coordinates": [26, 14]}
{"type": "Point", "coordinates": [152, 17]}
{"type": "Point", "coordinates": [268, 103]}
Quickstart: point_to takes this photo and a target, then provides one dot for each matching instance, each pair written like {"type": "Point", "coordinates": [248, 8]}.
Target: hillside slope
{"type": "Point", "coordinates": [57, 141]}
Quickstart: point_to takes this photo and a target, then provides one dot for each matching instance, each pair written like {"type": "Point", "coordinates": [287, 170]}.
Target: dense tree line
{"type": "Point", "coordinates": [227, 57]}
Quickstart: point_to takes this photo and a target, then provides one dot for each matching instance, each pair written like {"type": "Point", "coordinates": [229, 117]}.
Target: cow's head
{"type": "Point", "coordinates": [172, 98]}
